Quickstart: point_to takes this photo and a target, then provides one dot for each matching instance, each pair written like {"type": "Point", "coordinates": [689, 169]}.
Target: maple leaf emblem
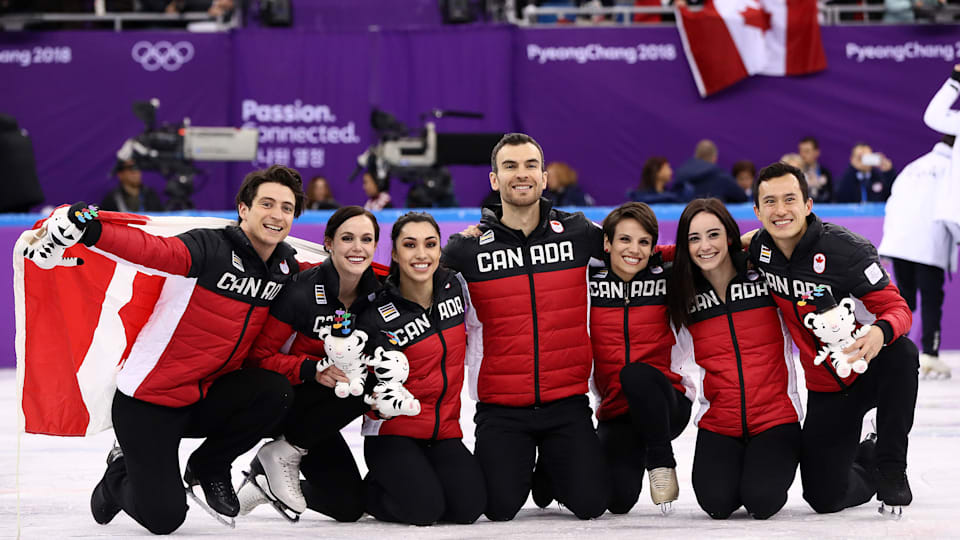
{"type": "Point", "coordinates": [819, 258]}
{"type": "Point", "coordinates": [757, 18]}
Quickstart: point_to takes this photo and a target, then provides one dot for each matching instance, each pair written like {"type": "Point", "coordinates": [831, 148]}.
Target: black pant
{"type": "Point", "coordinates": [333, 484]}
{"type": "Point", "coordinates": [756, 473]}
{"type": "Point", "coordinates": [929, 279]}
{"type": "Point", "coordinates": [641, 438]}
{"type": "Point", "coordinates": [831, 431]}
{"type": "Point", "coordinates": [508, 440]}
{"type": "Point", "coordinates": [422, 482]}
{"type": "Point", "coordinates": [240, 408]}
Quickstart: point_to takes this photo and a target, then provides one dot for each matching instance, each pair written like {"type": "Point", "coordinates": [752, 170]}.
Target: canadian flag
{"type": "Point", "coordinates": [76, 325]}
{"type": "Point", "coordinates": [729, 40]}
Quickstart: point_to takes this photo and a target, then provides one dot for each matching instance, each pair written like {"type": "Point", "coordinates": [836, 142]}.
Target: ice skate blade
{"type": "Point", "coordinates": [228, 521]}
{"type": "Point", "coordinates": [281, 508]}
{"type": "Point", "coordinates": [890, 512]}
{"type": "Point", "coordinates": [666, 508]}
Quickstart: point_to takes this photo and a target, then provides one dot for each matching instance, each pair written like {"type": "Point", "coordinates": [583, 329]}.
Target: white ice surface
{"type": "Point", "coordinates": [49, 497]}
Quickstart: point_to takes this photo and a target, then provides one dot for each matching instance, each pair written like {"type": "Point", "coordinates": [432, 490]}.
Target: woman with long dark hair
{"type": "Point", "coordinates": [290, 344]}
{"type": "Point", "coordinates": [748, 443]}
{"type": "Point", "coordinates": [420, 472]}
{"type": "Point", "coordinates": [644, 399]}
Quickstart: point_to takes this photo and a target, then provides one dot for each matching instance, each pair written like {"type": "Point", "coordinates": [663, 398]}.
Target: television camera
{"type": "Point", "coordinates": [420, 158]}
{"type": "Point", "coordinates": [171, 150]}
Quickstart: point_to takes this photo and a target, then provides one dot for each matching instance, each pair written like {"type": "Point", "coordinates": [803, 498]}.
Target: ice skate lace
{"type": "Point", "coordinates": [291, 472]}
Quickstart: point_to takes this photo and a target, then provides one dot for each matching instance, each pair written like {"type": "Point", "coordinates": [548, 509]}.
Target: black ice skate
{"type": "Point", "coordinates": [221, 501]}
{"type": "Point", "coordinates": [102, 506]}
{"type": "Point", "coordinates": [893, 491]}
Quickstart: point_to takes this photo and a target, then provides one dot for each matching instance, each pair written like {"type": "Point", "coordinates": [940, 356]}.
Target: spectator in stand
{"type": "Point", "coordinates": [868, 178]}
{"type": "Point", "coordinates": [701, 177]}
{"type": "Point", "coordinates": [378, 197]}
{"type": "Point", "coordinates": [654, 179]}
{"type": "Point", "coordinates": [320, 196]}
{"type": "Point", "coordinates": [130, 195]}
{"type": "Point", "coordinates": [214, 8]}
{"type": "Point", "coordinates": [898, 11]}
{"type": "Point", "coordinates": [744, 171]}
{"type": "Point", "coordinates": [792, 159]}
{"type": "Point", "coordinates": [562, 188]}
{"type": "Point", "coordinates": [819, 178]}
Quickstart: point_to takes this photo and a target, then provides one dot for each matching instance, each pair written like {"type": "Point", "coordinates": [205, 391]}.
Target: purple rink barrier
{"type": "Point", "coordinates": [866, 220]}
{"type": "Point", "coordinates": [601, 99]}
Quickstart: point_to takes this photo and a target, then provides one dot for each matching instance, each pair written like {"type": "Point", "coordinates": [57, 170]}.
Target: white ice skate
{"type": "Point", "coordinates": [664, 488]}
{"type": "Point", "coordinates": [932, 367]}
{"type": "Point", "coordinates": [274, 478]}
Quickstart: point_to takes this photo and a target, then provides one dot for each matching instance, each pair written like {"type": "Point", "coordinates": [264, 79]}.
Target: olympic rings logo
{"type": "Point", "coordinates": [162, 54]}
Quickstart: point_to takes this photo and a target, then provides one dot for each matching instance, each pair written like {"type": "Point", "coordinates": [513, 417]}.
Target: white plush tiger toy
{"type": "Point", "coordinates": [392, 398]}
{"type": "Point", "coordinates": [836, 328]}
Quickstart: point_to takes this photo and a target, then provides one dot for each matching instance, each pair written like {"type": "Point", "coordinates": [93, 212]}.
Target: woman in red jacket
{"type": "Point", "coordinates": [644, 399]}
{"type": "Point", "coordinates": [420, 472]}
{"type": "Point", "coordinates": [748, 443]}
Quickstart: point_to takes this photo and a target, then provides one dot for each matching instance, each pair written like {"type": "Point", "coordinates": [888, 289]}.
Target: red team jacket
{"type": "Point", "coordinates": [530, 298]}
{"type": "Point", "coordinates": [435, 343]}
{"type": "Point", "coordinates": [748, 377]}
{"type": "Point", "coordinates": [290, 341]}
{"type": "Point", "coordinates": [210, 309]}
{"type": "Point", "coordinates": [629, 323]}
{"type": "Point", "coordinates": [847, 264]}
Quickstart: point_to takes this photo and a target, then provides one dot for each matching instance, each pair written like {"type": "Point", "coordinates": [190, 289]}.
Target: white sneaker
{"type": "Point", "coordinates": [279, 462]}
{"type": "Point", "coordinates": [664, 488]}
{"type": "Point", "coordinates": [933, 367]}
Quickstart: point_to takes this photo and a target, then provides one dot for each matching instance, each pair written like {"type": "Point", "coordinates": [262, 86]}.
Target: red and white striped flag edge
{"type": "Point", "coordinates": [729, 40]}
{"type": "Point", "coordinates": [76, 325]}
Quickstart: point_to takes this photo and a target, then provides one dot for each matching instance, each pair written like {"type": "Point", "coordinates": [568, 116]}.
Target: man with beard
{"type": "Point", "coordinates": [528, 348]}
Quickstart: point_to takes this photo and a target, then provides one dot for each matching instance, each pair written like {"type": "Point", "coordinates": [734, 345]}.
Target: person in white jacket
{"type": "Point", "coordinates": [921, 247]}
{"type": "Point", "coordinates": [923, 244]}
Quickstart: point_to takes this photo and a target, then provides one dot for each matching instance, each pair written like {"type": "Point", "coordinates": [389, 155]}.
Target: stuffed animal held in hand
{"type": "Point", "coordinates": [392, 398]}
{"type": "Point", "coordinates": [344, 347]}
{"type": "Point", "coordinates": [836, 328]}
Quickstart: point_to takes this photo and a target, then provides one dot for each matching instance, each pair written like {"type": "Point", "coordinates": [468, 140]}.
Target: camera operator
{"type": "Point", "coordinates": [868, 178]}
{"type": "Point", "coordinates": [131, 195]}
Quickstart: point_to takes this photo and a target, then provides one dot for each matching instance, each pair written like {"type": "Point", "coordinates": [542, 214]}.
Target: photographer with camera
{"type": "Point", "coordinates": [868, 178]}
{"type": "Point", "coordinates": [131, 195]}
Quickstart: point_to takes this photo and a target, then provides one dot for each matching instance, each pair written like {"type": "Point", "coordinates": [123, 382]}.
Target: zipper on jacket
{"type": "Point", "coordinates": [736, 350]}
{"type": "Point", "coordinates": [536, 340]}
{"type": "Point", "coordinates": [626, 330]}
{"type": "Point", "coordinates": [443, 373]}
{"type": "Point", "coordinates": [236, 346]}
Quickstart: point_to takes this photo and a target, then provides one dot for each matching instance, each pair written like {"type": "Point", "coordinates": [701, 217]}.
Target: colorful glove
{"type": "Point", "coordinates": [84, 216]}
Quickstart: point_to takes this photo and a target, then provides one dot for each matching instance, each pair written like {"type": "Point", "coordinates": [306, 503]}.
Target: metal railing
{"type": "Point", "coordinates": [622, 15]}
{"type": "Point", "coordinates": [20, 21]}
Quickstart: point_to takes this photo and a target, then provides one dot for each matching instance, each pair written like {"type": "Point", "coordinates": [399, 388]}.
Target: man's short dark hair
{"type": "Point", "coordinates": [776, 170]}
{"type": "Point", "coordinates": [278, 174]}
{"type": "Point", "coordinates": [515, 139]}
{"type": "Point", "coordinates": [812, 140]}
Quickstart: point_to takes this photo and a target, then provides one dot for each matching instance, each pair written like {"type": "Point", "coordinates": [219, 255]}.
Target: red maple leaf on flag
{"type": "Point", "coordinates": [758, 18]}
